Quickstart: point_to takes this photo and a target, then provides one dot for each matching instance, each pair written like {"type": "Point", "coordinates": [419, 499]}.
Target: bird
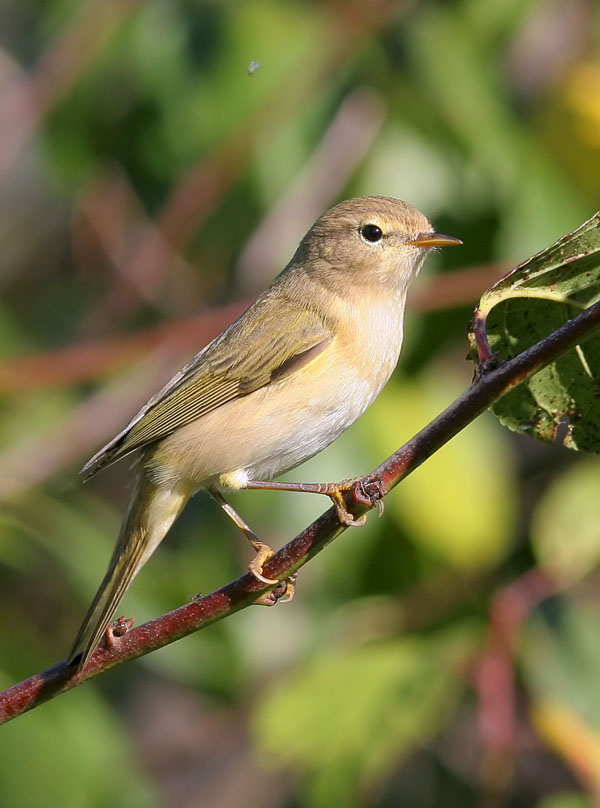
{"type": "Point", "coordinates": [276, 387]}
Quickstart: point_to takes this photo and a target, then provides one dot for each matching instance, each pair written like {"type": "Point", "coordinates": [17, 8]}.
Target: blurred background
{"type": "Point", "coordinates": [159, 161]}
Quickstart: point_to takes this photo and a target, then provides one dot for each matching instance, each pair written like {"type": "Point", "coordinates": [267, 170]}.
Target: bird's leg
{"type": "Point", "coordinates": [263, 551]}
{"type": "Point", "coordinates": [364, 491]}
{"type": "Point", "coordinates": [335, 491]}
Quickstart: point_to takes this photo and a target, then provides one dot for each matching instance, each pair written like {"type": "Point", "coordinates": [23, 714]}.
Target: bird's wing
{"type": "Point", "coordinates": [219, 374]}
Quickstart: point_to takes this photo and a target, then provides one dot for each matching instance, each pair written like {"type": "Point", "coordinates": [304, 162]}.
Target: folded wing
{"type": "Point", "coordinates": [219, 374]}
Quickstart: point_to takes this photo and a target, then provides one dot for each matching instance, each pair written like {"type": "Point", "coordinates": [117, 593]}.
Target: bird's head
{"type": "Point", "coordinates": [371, 239]}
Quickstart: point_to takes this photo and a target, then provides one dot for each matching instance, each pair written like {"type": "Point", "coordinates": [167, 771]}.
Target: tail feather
{"type": "Point", "coordinates": [152, 511]}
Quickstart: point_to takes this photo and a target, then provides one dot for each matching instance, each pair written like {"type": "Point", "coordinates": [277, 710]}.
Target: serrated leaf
{"type": "Point", "coordinates": [562, 401]}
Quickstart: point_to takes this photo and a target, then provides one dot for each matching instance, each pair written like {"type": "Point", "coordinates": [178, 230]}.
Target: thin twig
{"type": "Point", "coordinates": [110, 215]}
{"type": "Point", "coordinates": [245, 590]}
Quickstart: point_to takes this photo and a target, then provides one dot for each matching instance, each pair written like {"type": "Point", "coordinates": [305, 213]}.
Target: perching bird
{"type": "Point", "coordinates": [276, 387]}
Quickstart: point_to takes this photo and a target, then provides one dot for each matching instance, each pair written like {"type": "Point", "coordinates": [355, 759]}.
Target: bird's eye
{"type": "Point", "coordinates": [370, 232]}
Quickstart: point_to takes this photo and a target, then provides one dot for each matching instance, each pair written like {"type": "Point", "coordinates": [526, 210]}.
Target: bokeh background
{"type": "Point", "coordinates": [159, 161]}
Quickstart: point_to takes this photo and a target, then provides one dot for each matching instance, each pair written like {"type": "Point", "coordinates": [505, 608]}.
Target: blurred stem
{"type": "Point", "coordinates": [73, 364]}
{"type": "Point", "coordinates": [30, 97]}
{"type": "Point", "coordinates": [494, 676]}
{"type": "Point", "coordinates": [489, 386]}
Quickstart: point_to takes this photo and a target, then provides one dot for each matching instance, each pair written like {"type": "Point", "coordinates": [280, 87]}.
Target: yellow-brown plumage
{"type": "Point", "coordinates": [276, 387]}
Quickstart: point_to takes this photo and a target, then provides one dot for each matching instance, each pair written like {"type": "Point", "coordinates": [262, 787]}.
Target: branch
{"type": "Point", "coordinates": [244, 591]}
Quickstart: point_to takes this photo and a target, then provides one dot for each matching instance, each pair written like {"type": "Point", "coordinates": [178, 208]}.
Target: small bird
{"type": "Point", "coordinates": [272, 390]}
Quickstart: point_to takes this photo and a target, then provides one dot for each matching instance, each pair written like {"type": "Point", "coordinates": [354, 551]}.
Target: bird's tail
{"type": "Point", "coordinates": [152, 510]}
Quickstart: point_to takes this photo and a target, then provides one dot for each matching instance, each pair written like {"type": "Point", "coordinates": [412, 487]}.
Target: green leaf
{"type": "Point", "coordinates": [566, 799]}
{"type": "Point", "coordinates": [560, 662]}
{"type": "Point", "coordinates": [560, 403]}
{"type": "Point", "coordinates": [564, 528]}
{"type": "Point", "coordinates": [349, 715]}
{"type": "Point", "coordinates": [83, 758]}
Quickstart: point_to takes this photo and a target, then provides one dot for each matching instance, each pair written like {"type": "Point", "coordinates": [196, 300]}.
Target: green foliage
{"type": "Point", "coordinates": [365, 690]}
{"type": "Point", "coordinates": [469, 539]}
{"type": "Point", "coordinates": [566, 800]}
{"type": "Point", "coordinates": [529, 303]}
{"type": "Point", "coordinates": [73, 755]}
{"type": "Point", "coordinates": [561, 665]}
{"type": "Point", "coordinates": [570, 507]}
{"type": "Point", "coordinates": [361, 710]}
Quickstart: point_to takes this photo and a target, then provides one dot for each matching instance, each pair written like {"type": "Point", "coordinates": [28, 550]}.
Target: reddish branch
{"type": "Point", "coordinates": [81, 363]}
{"type": "Point", "coordinates": [245, 590]}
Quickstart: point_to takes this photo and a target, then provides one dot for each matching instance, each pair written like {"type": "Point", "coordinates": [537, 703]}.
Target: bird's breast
{"type": "Point", "coordinates": [310, 409]}
{"type": "Point", "coordinates": [279, 426]}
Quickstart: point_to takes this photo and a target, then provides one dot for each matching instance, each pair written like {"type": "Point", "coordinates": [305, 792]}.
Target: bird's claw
{"type": "Point", "coordinates": [346, 518]}
{"type": "Point", "coordinates": [365, 491]}
{"type": "Point", "coordinates": [263, 554]}
{"type": "Point", "coordinates": [290, 589]}
{"type": "Point", "coordinates": [369, 492]}
{"type": "Point", "coordinates": [343, 514]}
{"type": "Point", "coordinates": [283, 593]}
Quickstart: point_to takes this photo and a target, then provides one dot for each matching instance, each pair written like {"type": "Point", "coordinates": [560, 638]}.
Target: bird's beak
{"type": "Point", "coordinates": [434, 240]}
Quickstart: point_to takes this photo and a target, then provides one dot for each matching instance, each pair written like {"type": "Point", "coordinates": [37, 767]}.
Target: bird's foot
{"type": "Point", "coordinates": [263, 554]}
{"type": "Point", "coordinates": [365, 491]}
{"type": "Point", "coordinates": [283, 593]}
{"type": "Point", "coordinates": [343, 514]}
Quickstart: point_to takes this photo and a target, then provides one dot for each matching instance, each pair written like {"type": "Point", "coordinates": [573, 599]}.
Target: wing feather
{"type": "Point", "coordinates": [217, 374]}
